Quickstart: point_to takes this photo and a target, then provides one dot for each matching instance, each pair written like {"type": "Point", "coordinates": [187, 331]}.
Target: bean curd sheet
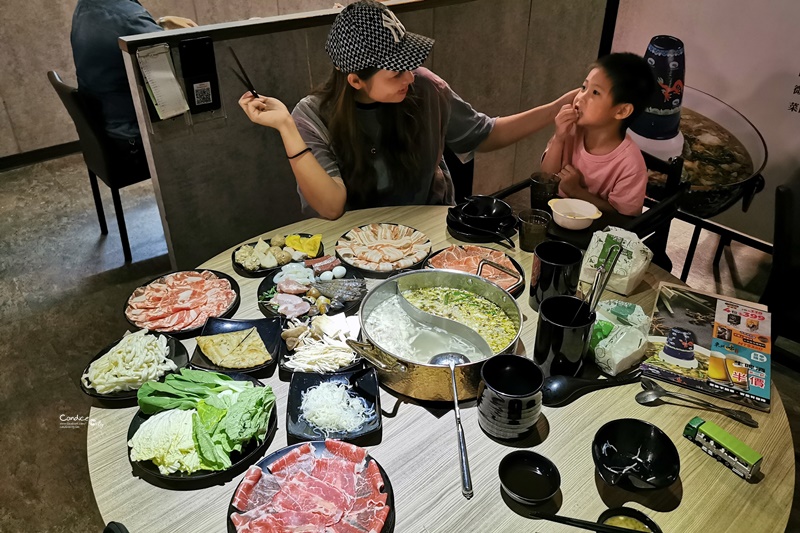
{"type": "Point", "coordinates": [474, 311]}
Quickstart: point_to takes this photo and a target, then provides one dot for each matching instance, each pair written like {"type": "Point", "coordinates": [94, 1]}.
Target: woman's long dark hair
{"type": "Point", "coordinates": [400, 129]}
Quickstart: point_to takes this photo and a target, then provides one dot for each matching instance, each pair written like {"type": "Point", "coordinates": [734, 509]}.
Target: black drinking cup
{"type": "Point", "coordinates": [556, 271]}
{"type": "Point", "coordinates": [562, 335]}
{"type": "Point", "coordinates": [509, 396]}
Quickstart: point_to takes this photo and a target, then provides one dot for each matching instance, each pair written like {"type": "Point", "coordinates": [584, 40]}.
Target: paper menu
{"type": "Point", "coordinates": [160, 80]}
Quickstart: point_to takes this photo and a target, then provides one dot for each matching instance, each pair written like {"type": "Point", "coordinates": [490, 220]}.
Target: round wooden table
{"type": "Point", "coordinates": [419, 451]}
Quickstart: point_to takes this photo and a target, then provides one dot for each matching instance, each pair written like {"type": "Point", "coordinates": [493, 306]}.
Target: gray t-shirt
{"type": "Point", "coordinates": [449, 121]}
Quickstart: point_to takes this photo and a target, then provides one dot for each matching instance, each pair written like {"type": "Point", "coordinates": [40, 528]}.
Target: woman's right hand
{"type": "Point", "coordinates": [565, 120]}
{"type": "Point", "coordinates": [264, 110]}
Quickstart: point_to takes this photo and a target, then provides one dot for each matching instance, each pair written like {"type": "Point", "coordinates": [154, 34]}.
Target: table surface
{"type": "Point", "coordinates": [419, 453]}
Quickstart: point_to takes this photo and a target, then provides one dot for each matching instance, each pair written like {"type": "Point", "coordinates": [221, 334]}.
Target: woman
{"type": "Point", "coordinates": [374, 134]}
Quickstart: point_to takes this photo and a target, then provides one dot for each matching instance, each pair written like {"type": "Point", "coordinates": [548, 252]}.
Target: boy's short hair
{"type": "Point", "coordinates": [632, 82]}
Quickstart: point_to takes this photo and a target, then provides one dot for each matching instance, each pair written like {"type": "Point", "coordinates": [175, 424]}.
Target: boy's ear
{"type": "Point", "coordinates": [623, 111]}
{"type": "Point", "coordinates": [356, 82]}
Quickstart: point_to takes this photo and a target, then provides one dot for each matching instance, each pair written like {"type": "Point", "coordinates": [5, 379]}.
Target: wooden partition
{"type": "Point", "coordinates": [220, 179]}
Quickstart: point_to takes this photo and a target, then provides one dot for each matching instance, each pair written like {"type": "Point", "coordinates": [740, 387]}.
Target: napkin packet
{"type": "Point", "coordinates": [619, 336]}
{"type": "Point", "coordinates": [631, 265]}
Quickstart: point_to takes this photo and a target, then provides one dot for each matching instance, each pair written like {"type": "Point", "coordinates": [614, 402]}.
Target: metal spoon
{"type": "Point", "coordinates": [452, 359]}
{"type": "Point", "coordinates": [654, 392]}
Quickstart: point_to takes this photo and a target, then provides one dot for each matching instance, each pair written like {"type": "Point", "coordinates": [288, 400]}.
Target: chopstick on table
{"type": "Point", "coordinates": [243, 77]}
{"type": "Point", "coordinates": [583, 524]}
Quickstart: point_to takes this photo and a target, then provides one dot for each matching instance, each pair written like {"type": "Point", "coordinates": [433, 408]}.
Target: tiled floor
{"type": "Point", "coordinates": [61, 291]}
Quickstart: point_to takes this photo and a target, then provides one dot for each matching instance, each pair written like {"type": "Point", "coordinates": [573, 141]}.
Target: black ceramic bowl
{"type": "Point", "coordinates": [633, 451]}
{"type": "Point", "coordinates": [632, 513]}
{"type": "Point", "coordinates": [486, 212]}
{"type": "Point", "coordinates": [528, 477]}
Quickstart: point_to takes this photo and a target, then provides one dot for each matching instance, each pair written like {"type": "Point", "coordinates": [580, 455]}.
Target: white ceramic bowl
{"type": "Point", "coordinates": [571, 213]}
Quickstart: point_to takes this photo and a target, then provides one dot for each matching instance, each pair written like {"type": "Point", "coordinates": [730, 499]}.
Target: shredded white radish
{"type": "Point", "coordinates": [137, 358]}
{"type": "Point", "coordinates": [330, 407]}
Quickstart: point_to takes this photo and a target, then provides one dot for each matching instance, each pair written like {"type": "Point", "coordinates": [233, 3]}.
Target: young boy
{"type": "Point", "coordinates": [591, 152]}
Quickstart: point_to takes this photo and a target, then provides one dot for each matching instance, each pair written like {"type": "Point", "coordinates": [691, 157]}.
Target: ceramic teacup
{"type": "Point", "coordinates": [509, 396]}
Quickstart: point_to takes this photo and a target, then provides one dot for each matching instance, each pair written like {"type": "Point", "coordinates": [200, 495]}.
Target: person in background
{"type": "Point", "coordinates": [96, 26]}
{"type": "Point", "coordinates": [591, 151]}
{"type": "Point", "coordinates": [374, 133]}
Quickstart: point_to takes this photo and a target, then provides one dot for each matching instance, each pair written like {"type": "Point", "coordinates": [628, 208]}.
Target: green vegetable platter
{"type": "Point", "coordinates": [199, 428]}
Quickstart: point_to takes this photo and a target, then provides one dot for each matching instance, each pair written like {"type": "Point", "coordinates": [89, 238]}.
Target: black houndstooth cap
{"type": "Point", "coordinates": [367, 34]}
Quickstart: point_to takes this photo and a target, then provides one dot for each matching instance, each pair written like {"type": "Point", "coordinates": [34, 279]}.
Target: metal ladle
{"type": "Point", "coordinates": [654, 392]}
{"type": "Point", "coordinates": [601, 278]}
{"type": "Point", "coordinates": [452, 359]}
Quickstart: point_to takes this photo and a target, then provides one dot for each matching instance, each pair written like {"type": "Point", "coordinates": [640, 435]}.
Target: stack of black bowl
{"type": "Point", "coordinates": [482, 219]}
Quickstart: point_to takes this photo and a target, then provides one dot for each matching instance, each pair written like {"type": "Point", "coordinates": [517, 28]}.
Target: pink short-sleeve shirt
{"type": "Point", "coordinates": [620, 176]}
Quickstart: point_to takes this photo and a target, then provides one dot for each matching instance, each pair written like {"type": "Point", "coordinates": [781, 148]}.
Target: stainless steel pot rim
{"type": "Point", "coordinates": [477, 279]}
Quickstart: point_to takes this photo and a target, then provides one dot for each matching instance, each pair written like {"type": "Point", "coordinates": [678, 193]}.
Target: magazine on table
{"type": "Point", "coordinates": [711, 343]}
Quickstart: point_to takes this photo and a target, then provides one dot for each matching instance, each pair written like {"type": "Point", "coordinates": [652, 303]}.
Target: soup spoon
{"type": "Point", "coordinates": [452, 359]}
{"type": "Point", "coordinates": [654, 392]}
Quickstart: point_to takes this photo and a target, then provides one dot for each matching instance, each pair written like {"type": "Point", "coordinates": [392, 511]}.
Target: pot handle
{"type": "Point", "coordinates": [756, 187]}
{"type": "Point", "coordinates": [372, 354]}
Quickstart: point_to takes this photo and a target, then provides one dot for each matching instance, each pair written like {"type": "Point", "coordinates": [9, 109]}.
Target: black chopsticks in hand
{"type": "Point", "coordinates": [243, 77]}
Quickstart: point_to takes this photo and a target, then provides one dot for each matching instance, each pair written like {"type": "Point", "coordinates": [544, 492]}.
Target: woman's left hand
{"type": "Point", "coordinates": [566, 98]}
{"type": "Point", "coordinates": [264, 110]}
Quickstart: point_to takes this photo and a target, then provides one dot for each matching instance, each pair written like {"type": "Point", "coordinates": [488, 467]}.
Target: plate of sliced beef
{"type": "Point", "coordinates": [467, 258]}
{"type": "Point", "coordinates": [179, 303]}
{"type": "Point", "coordinates": [330, 485]}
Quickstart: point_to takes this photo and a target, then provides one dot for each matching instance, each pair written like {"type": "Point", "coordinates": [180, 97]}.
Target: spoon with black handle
{"type": "Point", "coordinates": [654, 392]}
{"type": "Point", "coordinates": [559, 391]}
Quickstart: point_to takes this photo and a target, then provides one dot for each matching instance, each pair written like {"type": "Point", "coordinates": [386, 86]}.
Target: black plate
{"type": "Point", "coordinates": [388, 526]}
{"type": "Point", "coordinates": [363, 383]}
{"type": "Point", "coordinates": [186, 333]}
{"type": "Point", "coordinates": [267, 284]}
{"type": "Point", "coordinates": [268, 328]}
{"type": "Point", "coordinates": [457, 229]}
{"type": "Point", "coordinates": [261, 272]}
{"type": "Point", "coordinates": [515, 293]}
{"type": "Point", "coordinates": [148, 471]}
{"type": "Point", "coordinates": [374, 273]}
{"type": "Point", "coordinates": [177, 352]}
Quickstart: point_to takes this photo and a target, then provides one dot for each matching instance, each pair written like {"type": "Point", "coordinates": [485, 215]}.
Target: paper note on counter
{"type": "Point", "coordinates": [160, 80]}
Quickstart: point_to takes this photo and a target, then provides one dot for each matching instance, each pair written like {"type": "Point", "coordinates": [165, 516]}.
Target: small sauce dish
{"type": "Point", "coordinates": [528, 477]}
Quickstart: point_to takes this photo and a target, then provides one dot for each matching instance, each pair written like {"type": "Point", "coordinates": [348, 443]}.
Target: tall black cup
{"type": "Point", "coordinates": [556, 270]}
{"type": "Point", "coordinates": [562, 335]}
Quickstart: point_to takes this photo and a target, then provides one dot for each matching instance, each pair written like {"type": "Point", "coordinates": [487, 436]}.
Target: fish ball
{"type": "Point", "coordinates": [326, 276]}
{"type": "Point", "coordinates": [339, 271]}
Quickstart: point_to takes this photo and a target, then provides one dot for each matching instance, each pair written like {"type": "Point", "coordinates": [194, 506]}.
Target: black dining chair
{"type": "Point", "coordinates": [653, 225]}
{"type": "Point", "coordinates": [100, 154]}
{"type": "Point", "coordinates": [783, 290]}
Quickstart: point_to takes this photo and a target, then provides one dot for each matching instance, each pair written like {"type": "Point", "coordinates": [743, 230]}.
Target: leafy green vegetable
{"type": "Point", "coordinates": [212, 456]}
{"type": "Point", "coordinates": [185, 390]}
{"type": "Point", "coordinates": [248, 416]}
{"type": "Point", "coordinates": [229, 413]}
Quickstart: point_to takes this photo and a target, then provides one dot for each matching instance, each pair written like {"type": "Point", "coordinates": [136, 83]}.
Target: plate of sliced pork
{"type": "Point", "coordinates": [321, 286]}
{"type": "Point", "coordinates": [179, 303]}
{"type": "Point", "coordinates": [328, 485]}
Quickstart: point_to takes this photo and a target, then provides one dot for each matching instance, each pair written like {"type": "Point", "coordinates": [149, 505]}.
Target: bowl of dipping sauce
{"type": "Point", "coordinates": [528, 477]}
{"type": "Point", "coordinates": [571, 213]}
{"type": "Point", "coordinates": [629, 519]}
